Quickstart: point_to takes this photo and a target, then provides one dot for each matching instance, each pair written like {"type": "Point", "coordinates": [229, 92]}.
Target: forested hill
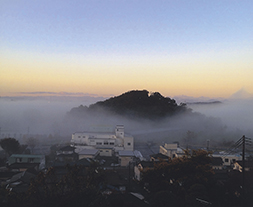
{"type": "Point", "coordinates": [141, 104]}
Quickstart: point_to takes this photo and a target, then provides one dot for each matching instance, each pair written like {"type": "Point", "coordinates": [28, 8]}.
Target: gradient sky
{"type": "Point", "coordinates": [175, 47]}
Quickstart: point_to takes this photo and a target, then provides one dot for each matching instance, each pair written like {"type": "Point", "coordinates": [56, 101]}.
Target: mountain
{"type": "Point", "coordinates": [241, 94]}
{"type": "Point", "coordinates": [135, 104]}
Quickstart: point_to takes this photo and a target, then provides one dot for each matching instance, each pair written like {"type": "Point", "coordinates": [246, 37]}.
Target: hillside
{"type": "Point", "coordinates": [135, 104]}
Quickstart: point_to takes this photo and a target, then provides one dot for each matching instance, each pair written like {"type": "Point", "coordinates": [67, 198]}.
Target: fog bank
{"type": "Point", "coordinates": [223, 122]}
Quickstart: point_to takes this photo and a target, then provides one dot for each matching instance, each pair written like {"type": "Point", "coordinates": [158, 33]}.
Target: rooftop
{"type": "Point", "coordinates": [88, 152]}
{"type": "Point", "coordinates": [126, 153]}
{"type": "Point", "coordinates": [26, 156]}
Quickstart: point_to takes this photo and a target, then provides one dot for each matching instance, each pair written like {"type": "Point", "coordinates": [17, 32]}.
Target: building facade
{"type": "Point", "coordinates": [171, 150]}
{"type": "Point", "coordinates": [22, 159]}
{"type": "Point", "coordinates": [106, 142]}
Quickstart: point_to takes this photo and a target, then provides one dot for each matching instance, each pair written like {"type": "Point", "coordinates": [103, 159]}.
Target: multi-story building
{"type": "Point", "coordinates": [106, 142]}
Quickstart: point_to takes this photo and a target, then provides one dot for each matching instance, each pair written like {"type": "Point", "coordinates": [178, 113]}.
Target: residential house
{"type": "Point", "coordinates": [116, 181]}
{"type": "Point", "coordinates": [158, 157]}
{"type": "Point", "coordinates": [66, 154]}
{"type": "Point", "coordinates": [171, 150]}
{"type": "Point", "coordinates": [67, 150]}
{"type": "Point", "coordinates": [248, 165]}
{"type": "Point", "coordinates": [62, 168]}
{"type": "Point", "coordinates": [217, 163]}
{"type": "Point", "coordinates": [88, 153]}
{"type": "Point", "coordinates": [125, 157]}
{"type": "Point", "coordinates": [142, 167]}
{"type": "Point", "coordinates": [20, 182]}
{"type": "Point", "coordinates": [24, 161]}
{"type": "Point", "coordinates": [228, 159]}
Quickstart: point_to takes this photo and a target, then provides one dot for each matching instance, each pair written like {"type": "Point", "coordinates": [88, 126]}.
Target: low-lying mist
{"type": "Point", "coordinates": [220, 123]}
{"type": "Point", "coordinates": [236, 114]}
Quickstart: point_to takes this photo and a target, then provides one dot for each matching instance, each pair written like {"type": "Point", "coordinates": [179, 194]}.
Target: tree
{"type": "Point", "coordinates": [163, 198]}
{"type": "Point", "coordinates": [180, 175]}
{"type": "Point", "coordinates": [10, 145]}
{"type": "Point", "coordinates": [78, 187]}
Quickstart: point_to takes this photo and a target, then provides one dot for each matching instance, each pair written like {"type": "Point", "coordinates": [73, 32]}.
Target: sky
{"type": "Point", "coordinates": [108, 47]}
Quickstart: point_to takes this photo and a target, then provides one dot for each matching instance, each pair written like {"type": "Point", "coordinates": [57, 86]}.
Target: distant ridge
{"type": "Point", "coordinates": [201, 99]}
{"type": "Point", "coordinates": [205, 102]}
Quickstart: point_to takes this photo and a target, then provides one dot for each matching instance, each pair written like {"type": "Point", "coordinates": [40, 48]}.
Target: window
{"type": "Point", "coordinates": [111, 143]}
{"type": "Point", "coordinates": [18, 159]}
{"type": "Point", "coordinates": [99, 143]}
{"type": "Point", "coordinates": [226, 160]}
{"type": "Point", "coordinates": [83, 136]}
{"type": "Point", "coordinates": [79, 136]}
{"type": "Point", "coordinates": [129, 143]}
{"type": "Point", "coordinates": [30, 160]}
{"type": "Point", "coordinates": [105, 143]}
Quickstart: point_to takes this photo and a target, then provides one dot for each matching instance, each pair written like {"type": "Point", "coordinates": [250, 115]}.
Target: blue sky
{"type": "Point", "coordinates": [160, 38]}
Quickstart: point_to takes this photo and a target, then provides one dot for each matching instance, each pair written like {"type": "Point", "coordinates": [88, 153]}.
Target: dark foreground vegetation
{"type": "Point", "coordinates": [186, 181]}
{"type": "Point", "coordinates": [191, 181]}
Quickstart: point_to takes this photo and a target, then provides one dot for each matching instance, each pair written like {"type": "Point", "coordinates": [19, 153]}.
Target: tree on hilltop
{"type": "Point", "coordinates": [135, 104]}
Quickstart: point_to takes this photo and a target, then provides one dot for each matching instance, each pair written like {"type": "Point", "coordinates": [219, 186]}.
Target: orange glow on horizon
{"type": "Point", "coordinates": [171, 77]}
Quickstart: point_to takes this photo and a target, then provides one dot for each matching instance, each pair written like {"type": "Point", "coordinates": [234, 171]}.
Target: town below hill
{"type": "Point", "coordinates": [106, 175]}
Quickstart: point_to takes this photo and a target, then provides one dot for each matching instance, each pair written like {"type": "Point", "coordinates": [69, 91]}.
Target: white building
{"type": "Point", "coordinates": [104, 141]}
{"type": "Point", "coordinates": [228, 159]}
{"type": "Point", "coordinates": [171, 150]}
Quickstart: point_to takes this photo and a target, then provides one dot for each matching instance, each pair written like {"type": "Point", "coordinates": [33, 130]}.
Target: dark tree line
{"type": "Point", "coordinates": [79, 186]}
{"type": "Point", "coordinates": [191, 181]}
{"type": "Point", "coordinates": [181, 179]}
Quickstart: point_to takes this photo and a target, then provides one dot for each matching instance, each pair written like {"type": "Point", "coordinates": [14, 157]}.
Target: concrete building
{"type": "Point", "coordinates": [105, 142]}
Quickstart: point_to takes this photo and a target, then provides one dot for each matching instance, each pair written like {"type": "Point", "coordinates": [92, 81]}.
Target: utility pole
{"type": "Point", "coordinates": [245, 141]}
{"type": "Point", "coordinates": [243, 169]}
{"type": "Point", "coordinates": [207, 144]}
{"type": "Point", "coordinates": [242, 142]}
